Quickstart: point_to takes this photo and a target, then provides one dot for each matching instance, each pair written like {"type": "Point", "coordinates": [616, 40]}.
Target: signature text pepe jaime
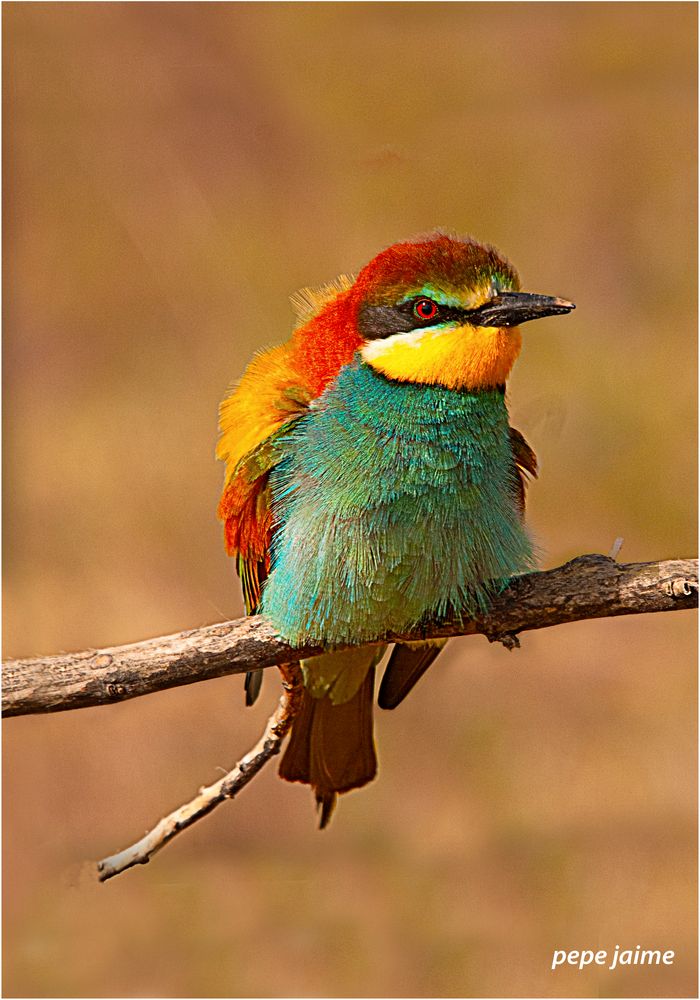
{"type": "Point", "coordinates": [620, 956]}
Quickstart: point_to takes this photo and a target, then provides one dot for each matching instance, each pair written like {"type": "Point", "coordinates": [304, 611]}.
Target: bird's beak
{"type": "Point", "coordinates": [513, 308]}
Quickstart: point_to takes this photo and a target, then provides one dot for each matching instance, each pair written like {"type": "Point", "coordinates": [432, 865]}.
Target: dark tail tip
{"type": "Point", "coordinates": [326, 804]}
{"type": "Point", "coordinates": [253, 683]}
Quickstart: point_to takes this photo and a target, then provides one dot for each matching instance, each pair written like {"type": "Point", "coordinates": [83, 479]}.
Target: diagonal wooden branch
{"type": "Point", "coordinates": [591, 586]}
{"type": "Point", "coordinates": [210, 797]}
{"type": "Point", "coordinates": [588, 587]}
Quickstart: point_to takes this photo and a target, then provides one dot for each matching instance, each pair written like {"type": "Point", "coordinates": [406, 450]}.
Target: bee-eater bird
{"type": "Point", "coordinates": [373, 482]}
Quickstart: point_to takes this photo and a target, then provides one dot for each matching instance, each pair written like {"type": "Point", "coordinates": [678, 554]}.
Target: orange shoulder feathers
{"type": "Point", "coordinates": [275, 389]}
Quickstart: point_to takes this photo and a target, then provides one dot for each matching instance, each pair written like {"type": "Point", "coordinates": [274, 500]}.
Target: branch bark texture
{"type": "Point", "coordinates": [591, 586]}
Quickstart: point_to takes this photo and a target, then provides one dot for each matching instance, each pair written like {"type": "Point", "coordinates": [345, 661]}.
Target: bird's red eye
{"type": "Point", "coordinates": [425, 309]}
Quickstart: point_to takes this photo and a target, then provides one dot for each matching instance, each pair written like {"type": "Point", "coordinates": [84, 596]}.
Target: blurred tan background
{"type": "Point", "coordinates": [172, 173]}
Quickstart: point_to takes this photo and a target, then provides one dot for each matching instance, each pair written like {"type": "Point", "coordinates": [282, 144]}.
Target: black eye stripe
{"type": "Point", "coordinates": [375, 322]}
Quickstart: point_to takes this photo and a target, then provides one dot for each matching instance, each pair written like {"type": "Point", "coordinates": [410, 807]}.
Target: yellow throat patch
{"type": "Point", "coordinates": [459, 357]}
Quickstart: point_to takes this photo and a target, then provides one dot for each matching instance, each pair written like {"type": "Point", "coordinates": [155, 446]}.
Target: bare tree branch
{"type": "Point", "coordinates": [590, 586]}
{"type": "Point", "coordinates": [209, 798]}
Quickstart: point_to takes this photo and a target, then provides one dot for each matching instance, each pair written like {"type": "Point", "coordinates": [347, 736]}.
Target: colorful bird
{"type": "Point", "coordinates": [373, 482]}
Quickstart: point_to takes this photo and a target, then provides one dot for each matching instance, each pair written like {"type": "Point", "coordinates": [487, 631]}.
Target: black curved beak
{"type": "Point", "coordinates": [513, 308]}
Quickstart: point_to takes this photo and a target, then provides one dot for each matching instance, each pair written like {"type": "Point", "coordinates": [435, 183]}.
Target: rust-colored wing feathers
{"type": "Point", "coordinates": [245, 510]}
{"type": "Point", "coordinates": [276, 388]}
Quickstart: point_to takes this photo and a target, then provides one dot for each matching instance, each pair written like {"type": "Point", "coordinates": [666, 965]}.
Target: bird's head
{"type": "Point", "coordinates": [444, 310]}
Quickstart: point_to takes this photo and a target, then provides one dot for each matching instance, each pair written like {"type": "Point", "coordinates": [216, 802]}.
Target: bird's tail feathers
{"type": "Point", "coordinates": [331, 746]}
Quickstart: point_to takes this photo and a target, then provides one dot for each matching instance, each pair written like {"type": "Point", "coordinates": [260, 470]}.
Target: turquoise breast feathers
{"type": "Point", "coordinates": [395, 503]}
